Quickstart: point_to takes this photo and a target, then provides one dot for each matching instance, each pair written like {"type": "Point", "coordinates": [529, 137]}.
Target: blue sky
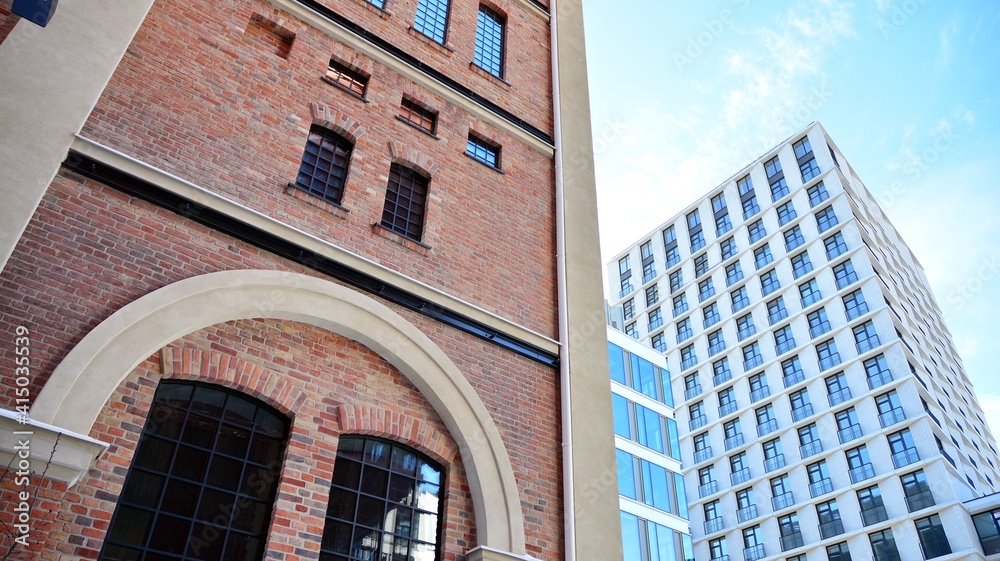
{"type": "Point", "coordinates": [684, 94]}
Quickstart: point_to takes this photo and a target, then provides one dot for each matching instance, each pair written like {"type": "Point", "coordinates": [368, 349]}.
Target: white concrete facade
{"type": "Point", "coordinates": [884, 375]}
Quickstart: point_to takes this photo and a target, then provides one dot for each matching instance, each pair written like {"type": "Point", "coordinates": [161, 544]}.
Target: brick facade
{"type": "Point", "coordinates": [222, 95]}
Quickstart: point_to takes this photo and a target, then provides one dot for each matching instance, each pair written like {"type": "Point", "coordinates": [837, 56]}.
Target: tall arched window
{"type": "Point", "coordinates": [325, 162]}
{"type": "Point", "coordinates": [203, 480]}
{"type": "Point", "coordinates": [385, 503]}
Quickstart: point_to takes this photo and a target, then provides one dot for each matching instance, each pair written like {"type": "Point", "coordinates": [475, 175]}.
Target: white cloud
{"type": "Point", "coordinates": [945, 52]}
{"type": "Point", "coordinates": [766, 91]}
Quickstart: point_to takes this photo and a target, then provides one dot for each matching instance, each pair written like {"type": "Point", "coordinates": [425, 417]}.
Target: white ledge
{"type": "Point", "coordinates": [71, 457]}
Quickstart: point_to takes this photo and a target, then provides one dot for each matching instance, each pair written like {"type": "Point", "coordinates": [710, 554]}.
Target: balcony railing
{"type": "Point", "coordinates": [784, 500]}
{"type": "Point", "coordinates": [673, 261]}
{"type": "Point", "coordinates": [811, 299]}
{"type": "Point", "coordinates": [831, 528]}
{"type": "Point", "coordinates": [865, 471]}
{"type": "Point", "coordinates": [793, 378]}
{"type": "Point", "coordinates": [759, 394]}
{"type": "Point", "coordinates": [879, 380]}
{"type": "Point", "coordinates": [625, 291]}
{"type": "Point", "coordinates": [857, 311]}
{"type": "Point", "coordinates": [740, 304]}
{"type": "Point", "coordinates": [782, 348]}
{"type": "Point", "coordinates": [821, 487]}
{"type": "Point", "coordinates": [648, 277]}
{"type": "Point", "coordinates": [734, 441]}
{"type": "Point", "coordinates": [706, 294]}
{"type": "Point", "coordinates": [698, 422]}
{"type": "Point", "coordinates": [777, 316]}
{"type": "Point", "coordinates": [777, 462]}
{"type": "Point", "coordinates": [802, 412]}
{"type": "Point", "coordinates": [684, 335]}
{"type": "Point", "coordinates": [767, 428]}
{"type": "Point", "coordinates": [803, 270]}
{"type": "Point", "coordinates": [868, 344]}
{"type": "Point", "coordinates": [757, 235]}
{"type": "Point", "coordinates": [905, 458]}
{"type": "Point", "coordinates": [846, 280]}
{"type": "Point", "coordinates": [819, 329]}
{"type": "Point", "coordinates": [932, 547]}
{"type": "Point", "coordinates": [791, 541]}
{"type": "Point", "coordinates": [678, 310]}
{"type": "Point", "coordinates": [919, 501]}
{"type": "Point", "coordinates": [691, 392]}
{"type": "Point", "coordinates": [715, 525]}
{"type": "Point", "coordinates": [839, 397]}
{"type": "Point", "coordinates": [689, 363]}
{"type": "Point", "coordinates": [740, 476]}
{"type": "Point", "coordinates": [703, 454]}
{"type": "Point", "coordinates": [769, 288]}
{"type": "Point", "coordinates": [748, 513]}
{"type": "Point", "coordinates": [717, 348]}
{"type": "Point", "coordinates": [991, 545]}
{"type": "Point", "coordinates": [811, 449]}
{"type": "Point", "coordinates": [656, 323]}
{"type": "Point", "coordinates": [754, 553]}
{"type": "Point", "coordinates": [836, 252]}
{"type": "Point", "coordinates": [722, 377]}
{"type": "Point", "coordinates": [733, 279]}
{"type": "Point", "coordinates": [850, 433]}
{"type": "Point", "coordinates": [710, 488]}
{"type": "Point", "coordinates": [891, 417]}
{"type": "Point", "coordinates": [874, 515]}
{"type": "Point", "coordinates": [712, 320]}
{"type": "Point", "coordinates": [752, 362]}
{"type": "Point", "coordinates": [748, 331]}
{"type": "Point", "coordinates": [829, 362]}
{"type": "Point", "coordinates": [728, 409]}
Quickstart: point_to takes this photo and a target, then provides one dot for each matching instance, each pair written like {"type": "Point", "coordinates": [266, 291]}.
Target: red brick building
{"type": "Point", "coordinates": [301, 279]}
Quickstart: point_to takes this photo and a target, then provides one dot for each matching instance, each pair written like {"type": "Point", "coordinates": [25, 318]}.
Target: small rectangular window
{"type": "Point", "coordinates": [483, 151]}
{"type": "Point", "coordinates": [418, 116]}
{"type": "Point", "coordinates": [346, 78]}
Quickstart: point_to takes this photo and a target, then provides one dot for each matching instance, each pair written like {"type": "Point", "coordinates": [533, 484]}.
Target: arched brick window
{"type": "Point", "coordinates": [203, 480]}
{"type": "Point", "coordinates": [385, 503]}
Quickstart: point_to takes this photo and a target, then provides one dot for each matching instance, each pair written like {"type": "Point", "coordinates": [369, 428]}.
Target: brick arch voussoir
{"type": "Point", "coordinates": [181, 363]}
{"type": "Point", "coordinates": [398, 427]}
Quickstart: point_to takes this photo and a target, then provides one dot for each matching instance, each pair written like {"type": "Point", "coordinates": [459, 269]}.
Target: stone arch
{"type": "Point", "coordinates": [83, 382]}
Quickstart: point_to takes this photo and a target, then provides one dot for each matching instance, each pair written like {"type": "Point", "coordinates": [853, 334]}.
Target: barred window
{"type": "Point", "coordinates": [483, 151]}
{"type": "Point", "coordinates": [324, 166]}
{"type": "Point", "coordinates": [385, 502]}
{"type": "Point", "coordinates": [204, 449]}
{"type": "Point", "coordinates": [490, 41]}
{"type": "Point", "coordinates": [346, 78]}
{"type": "Point", "coordinates": [420, 117]}
{"type": "Point", "coordinates": [432, 19]}
{"type": "Point", "coordinates": [405, 199]}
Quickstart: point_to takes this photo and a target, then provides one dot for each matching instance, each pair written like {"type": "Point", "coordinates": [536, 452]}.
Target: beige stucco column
{"type": "Point", "coordinates": [52, 78]}
{"type": "Point", "coordinates": [593, 520]}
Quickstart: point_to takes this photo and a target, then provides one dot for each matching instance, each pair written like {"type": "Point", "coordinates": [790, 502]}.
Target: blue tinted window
{"type": "Point", "coordinates": [675, 446]}
{"type": "Point", "coordinates": [617, 363]}
{"type": "Point", "coordinates": [626, 474]}
{"type": "Point", "coordinates": [432, 18]}
{"type": "Point", "coordinates": [620, 406]}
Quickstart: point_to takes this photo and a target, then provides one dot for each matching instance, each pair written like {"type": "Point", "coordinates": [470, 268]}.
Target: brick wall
{"type": "Point", "coordinates": [217, 106]}
{"type": "Point", "coordinates": [90, 250]}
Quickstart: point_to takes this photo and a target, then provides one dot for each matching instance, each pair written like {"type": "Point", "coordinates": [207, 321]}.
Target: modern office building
{"type": "Point", "coordinates": [301, 279]}
{"type": "Point", "coordinates": [824, 411]}
{"type": "Point", "coordinates": [654, 505]}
